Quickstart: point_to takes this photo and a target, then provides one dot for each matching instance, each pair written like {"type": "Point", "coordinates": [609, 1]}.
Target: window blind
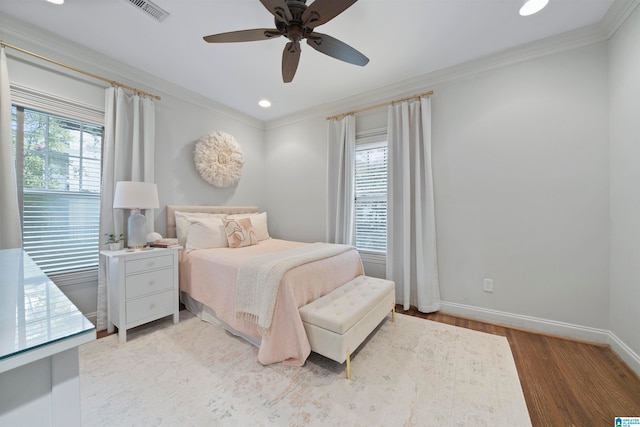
{"type": "Point", "coordinates": [60, 230]}
{"type": "Point", "coordinates": [371, 197]}
{"type": "Point", "coordinates": [53, 104]}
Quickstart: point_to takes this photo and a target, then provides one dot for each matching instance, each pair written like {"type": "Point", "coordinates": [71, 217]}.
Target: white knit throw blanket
{"type": "Point", "coordinates": [259, 278]}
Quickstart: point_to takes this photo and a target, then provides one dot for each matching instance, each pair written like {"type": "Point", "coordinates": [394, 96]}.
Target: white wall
{"type": "Point", "coordinates": [520, 161]}
{"type": "Point", "coordinates": [521, 171]}
{"type": "Point", "coordinates": [296, 180]}
{"type": "Point", "coordinates": [179, 125]}
{"type": "Point", "coordinates": [624, 82]}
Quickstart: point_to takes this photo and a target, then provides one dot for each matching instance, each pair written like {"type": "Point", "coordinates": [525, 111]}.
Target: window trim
{"type": "Point", "coordinates": [81, 273]}
{"type": "Point", "coordinates": [373, 257]}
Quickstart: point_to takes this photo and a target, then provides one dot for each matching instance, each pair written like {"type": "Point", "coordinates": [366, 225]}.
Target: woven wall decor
{"type": "Point", "coordinates": [219, 159]}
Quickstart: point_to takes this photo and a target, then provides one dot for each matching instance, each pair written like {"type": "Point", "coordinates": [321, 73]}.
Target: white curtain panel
{"type": "Point", "coordinates": [128, 153]}
{"type": "Point", "coordinates": [411, 241]}
{"type": "Point", "coordinates": [11, 234]}
{"type": "Point", "coordinates": [341, 151]}
{"type": "Point", "coordinates": [11, 231]}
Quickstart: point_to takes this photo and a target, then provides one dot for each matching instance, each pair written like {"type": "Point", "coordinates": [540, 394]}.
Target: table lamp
{"type": "Point", "coordinates": [136, 195]}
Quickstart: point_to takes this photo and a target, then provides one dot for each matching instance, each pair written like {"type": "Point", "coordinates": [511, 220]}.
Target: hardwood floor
{"type": "Point", "coordinates": [565, 383]}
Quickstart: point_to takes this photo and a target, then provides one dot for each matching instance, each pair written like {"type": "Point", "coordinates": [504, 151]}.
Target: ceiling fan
{"type": "Point", "coordinates": [297, 21]}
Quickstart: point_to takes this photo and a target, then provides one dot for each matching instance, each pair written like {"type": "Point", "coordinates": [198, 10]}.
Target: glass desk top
{"type": "Point", "coordinates": [33, 310]}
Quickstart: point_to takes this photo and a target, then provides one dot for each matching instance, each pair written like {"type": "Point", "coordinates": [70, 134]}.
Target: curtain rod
{"type": "Point", "coordinates": [78, 70]}
{"type": "Point", "coordinates": [384, 104]}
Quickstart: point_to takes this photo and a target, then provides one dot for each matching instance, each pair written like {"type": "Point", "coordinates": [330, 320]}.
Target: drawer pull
{"type": "Point", "coordinates": [151, 264]}
{"type": "Point", "coordinates": [152, 306]}
{"type": "Point", "coordinates": [152, 282]}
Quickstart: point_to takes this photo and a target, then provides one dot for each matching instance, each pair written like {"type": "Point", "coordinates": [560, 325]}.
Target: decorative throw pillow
{"type": "Point", "coordinates": [184, 221]}
{"type": "Point", "coordinates": [240, 233]}
{"type": "Point", "coordinates": [258, 222]}
{"type": "Point", "coordinates": [206, 233]}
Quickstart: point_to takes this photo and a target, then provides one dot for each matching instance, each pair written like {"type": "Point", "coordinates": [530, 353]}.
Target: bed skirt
{"type": "Point", "coordinates": [209, 315]}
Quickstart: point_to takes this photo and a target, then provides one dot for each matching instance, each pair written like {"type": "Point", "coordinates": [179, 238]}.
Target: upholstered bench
{"type": "Point", "coordinates": [337, 323]}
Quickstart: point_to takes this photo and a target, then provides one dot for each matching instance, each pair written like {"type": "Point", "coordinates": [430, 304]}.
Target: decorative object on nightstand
{"type": "Point", "coordinates": [166, 243]}
{"type": "Point", "coordinates": [142, 286]}
{"type": "Point", "coordinates": [153, 236]}
{"type": "Point", "coordinates": [136, 195]}
{"type": "Point", "coordinates": [115, 242]}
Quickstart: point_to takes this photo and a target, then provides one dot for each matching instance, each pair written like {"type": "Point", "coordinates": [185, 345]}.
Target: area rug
{"type": "Point", "coordinates": [411, 372]}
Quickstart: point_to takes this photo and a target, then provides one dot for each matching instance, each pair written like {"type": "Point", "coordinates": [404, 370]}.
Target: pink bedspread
{"type": "Point", "coordinates": [209, 276]}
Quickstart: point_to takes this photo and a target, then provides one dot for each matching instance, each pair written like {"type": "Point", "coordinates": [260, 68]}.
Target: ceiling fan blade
{"type": "Point", "coordinates": [322, 11]}
{"type": "Point", "coordinates": [335, 48]}
{"type": "Point", "coordinates": [279, 9]}
{"type": "Point", "coordinates": [290, 59]}
{"type": "Point", "coordinates": [243, 36]}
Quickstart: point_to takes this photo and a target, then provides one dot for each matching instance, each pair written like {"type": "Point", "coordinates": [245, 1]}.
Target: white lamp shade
{"type": "Point", "coordinates": [135, 195]}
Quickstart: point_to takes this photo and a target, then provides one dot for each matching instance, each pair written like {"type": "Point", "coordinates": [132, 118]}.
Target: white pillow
{"type": "Point", "coordinates": [240, 216]}
{"type": "Point", "coordinates": [258, 222]}
{"type": "Point", "coordinates": [184, 221]}
{"type": "Point", "coordinates": [206, 233]}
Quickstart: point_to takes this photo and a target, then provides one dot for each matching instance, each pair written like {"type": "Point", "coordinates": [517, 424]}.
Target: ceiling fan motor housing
{"type": "Point", "coordinates": [295, 29]}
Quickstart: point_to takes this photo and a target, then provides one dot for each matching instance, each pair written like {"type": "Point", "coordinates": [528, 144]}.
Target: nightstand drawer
{"type": "Point", "coordinates": [150, 307]}
{"type": "Point", "coordinates": [151, 263]}
{"type": "Point", "coordinates": [150, 282]}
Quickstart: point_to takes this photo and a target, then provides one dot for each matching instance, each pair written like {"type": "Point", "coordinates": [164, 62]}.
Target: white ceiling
{"type": "Point", "coordinates": [402, 38]}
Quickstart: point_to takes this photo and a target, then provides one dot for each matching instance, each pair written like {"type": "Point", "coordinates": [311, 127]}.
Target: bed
{"type": "Point", "coordinates": [210, 281]}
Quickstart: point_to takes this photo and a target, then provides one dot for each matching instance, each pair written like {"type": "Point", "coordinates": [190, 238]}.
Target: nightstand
{"type": "Point", "coordinates": [142, 286]}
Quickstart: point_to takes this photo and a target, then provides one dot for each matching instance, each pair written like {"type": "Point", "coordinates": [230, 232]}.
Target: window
{"type": "Point", "coordinates": [58, 166]}
{"type": "Point", "coordinates": [371, 197]}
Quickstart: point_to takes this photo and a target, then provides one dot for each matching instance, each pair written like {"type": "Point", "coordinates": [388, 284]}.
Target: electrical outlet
{"type": "Point", "coordinates": [488, 285]}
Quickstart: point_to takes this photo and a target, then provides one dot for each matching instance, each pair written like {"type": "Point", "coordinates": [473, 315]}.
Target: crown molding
{"type": "Point", "coordinates": [596, 33]}
{"type": "Point", "coordinates": [617, 14]}
{"type": "Point", "coordinates": [38, 41]}
{"type": "Point", "coordinates": [552, 45]}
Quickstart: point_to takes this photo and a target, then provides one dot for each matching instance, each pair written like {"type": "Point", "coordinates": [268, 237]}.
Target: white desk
{"type": "Point", "coordinates": [40, 331]}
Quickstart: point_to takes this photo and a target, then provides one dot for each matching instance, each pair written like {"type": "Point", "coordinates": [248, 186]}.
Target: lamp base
{"type": "Point", "coordinates": [136, 235]}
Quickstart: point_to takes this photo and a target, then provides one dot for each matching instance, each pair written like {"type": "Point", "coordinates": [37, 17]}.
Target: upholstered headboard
{"type": "Point", "coordinates": [229, 210]}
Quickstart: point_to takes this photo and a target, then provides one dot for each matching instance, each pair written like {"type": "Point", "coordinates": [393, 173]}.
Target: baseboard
{"type": "Point", "coordinates": [551, 327]}
{"type": "Point", "coordinates": [629, 356]}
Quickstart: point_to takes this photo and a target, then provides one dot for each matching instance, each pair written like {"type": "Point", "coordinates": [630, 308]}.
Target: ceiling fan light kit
{"type": "Point", "coordinates": [296, 21]}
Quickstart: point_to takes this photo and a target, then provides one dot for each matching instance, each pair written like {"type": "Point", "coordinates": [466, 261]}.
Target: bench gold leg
{"type": "Point", "coordinates": [348, 365]}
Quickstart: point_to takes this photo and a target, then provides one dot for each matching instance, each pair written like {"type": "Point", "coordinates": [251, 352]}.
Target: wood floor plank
{"type": "Point", "coordinates": [564, 382]}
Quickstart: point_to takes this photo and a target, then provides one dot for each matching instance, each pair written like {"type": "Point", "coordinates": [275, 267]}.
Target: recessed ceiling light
{"type": "Point", "coordinates": [532, 6]}
{"type": "Point", "coordinates": [56, 1]}
{"type": "Point", "coordinates": [264, 103]}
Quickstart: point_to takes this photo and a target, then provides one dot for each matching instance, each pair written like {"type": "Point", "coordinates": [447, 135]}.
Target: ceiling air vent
{"type": "Point", "coordinates": [151, 9]}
